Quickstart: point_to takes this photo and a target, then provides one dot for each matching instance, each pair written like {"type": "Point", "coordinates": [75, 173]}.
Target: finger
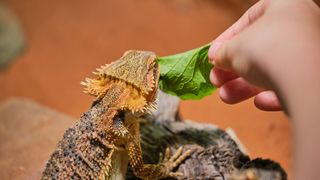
{"type": "Point", "coordinates": [267, 101]}
{"type": "Point", "coordinates": [250, 16]}
{"type": "Point", "coordinates": [224, 55]}
{"type": "Point", "coordinates": [245, 20]}
{"type": "Point", "coordinates": [218, 76]}
{"type": "Point", "coordinates": [237, 90]}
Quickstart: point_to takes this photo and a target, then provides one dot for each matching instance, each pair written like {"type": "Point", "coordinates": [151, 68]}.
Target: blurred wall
{"type": "Point", "coordinates": [67, 40]}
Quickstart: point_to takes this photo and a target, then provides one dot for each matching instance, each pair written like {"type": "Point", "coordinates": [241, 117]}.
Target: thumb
{"type": "Point", "coordinates": [222, 50]}
{"type": "Point", "coordinates": [222, 54]}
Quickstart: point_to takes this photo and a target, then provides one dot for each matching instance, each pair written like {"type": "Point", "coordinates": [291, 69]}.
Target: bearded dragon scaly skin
{"type": "Point", "coordinates": [124, 90]}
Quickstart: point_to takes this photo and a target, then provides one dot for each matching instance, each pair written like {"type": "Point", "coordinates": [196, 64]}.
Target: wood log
{"type": "Point", "coordinates": [216, 155]}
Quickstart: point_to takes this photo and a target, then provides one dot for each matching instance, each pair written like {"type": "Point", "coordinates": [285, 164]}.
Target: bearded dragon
{"type": "Point", "coordinates": [125, 90]}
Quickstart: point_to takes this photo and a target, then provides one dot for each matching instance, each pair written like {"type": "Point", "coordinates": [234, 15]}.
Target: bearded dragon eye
{"type": "Point", "coordinates": [120, 116]}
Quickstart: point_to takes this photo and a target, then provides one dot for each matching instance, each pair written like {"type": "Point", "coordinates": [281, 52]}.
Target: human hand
{"type": "Point", "coordinates": [254, 53]}
{"type": "Point", "coordinates": [275, 47]}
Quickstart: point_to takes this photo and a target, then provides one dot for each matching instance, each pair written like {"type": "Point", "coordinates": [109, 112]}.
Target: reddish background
{"type": "Point", "coordinates": [67, 40]}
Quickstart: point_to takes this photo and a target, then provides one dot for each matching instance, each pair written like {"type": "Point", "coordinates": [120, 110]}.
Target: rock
{"type": "Point", "coordinates": [167, 108]}
{"type": "Point", "coordinates": [29, 133]}
{"type": "Point", "coordinates": [11, 37]}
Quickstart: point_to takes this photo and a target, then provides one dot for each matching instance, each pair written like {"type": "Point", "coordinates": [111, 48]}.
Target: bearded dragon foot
{"type": "Point", "coordinates": [171, 162]}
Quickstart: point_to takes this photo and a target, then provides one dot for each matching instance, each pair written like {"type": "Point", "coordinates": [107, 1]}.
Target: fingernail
{"type": "Point", "coordinates": [213, 78]}
{"type": "Point", "coordinates": [212, 51]}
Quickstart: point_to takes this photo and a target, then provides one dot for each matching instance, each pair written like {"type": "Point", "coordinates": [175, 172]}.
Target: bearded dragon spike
{"type": "Point", "coordinates": [104, 67]}
{"type": "Point", "coordinates": [153, 106]}
{"type": "Point", "coordinates": [99, 70]}
{"type": "Point", "coordinates": [143, 109]}
{"type": "Point", "coordinates": [96, 87]}
{"type": "Point", "coordinates": [88, 80]}
{"type": "Point", "coordinates": [137, 105]}
{"type": "Point", "coordinates": [86, 84]}
{"type": "Point", "coordinates": [83, 83]}
{"type": "Point", "coordinates": [152, 78]}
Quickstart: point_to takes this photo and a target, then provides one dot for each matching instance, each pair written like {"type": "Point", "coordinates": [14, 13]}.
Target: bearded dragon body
{"type": "Point", "coordinates": [124, 90]}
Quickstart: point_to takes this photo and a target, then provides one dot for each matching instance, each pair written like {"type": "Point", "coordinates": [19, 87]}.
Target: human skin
{"type": "Point", "coordinates": [272, 53]}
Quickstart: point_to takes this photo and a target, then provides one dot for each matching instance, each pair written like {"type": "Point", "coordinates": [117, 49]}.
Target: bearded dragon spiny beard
{"type": "Point", "coordinates": [124, 90]}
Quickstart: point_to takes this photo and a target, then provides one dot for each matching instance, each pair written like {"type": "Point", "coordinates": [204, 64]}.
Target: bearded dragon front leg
{"type": "Point", "coordinates": [153, 171]}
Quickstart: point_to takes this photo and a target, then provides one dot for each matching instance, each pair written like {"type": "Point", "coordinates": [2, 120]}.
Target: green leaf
{"type": "Point", "coordinates": [186, 75]}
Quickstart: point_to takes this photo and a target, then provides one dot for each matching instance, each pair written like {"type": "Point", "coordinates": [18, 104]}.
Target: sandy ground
{"type": "Point", "coordinates": [67, 40]}
{"type": "Point", "coordinates": [28, 134]}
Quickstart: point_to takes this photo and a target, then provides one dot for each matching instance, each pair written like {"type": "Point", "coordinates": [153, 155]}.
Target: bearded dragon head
{"type": "Point", "coordinates": [136, 73]}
